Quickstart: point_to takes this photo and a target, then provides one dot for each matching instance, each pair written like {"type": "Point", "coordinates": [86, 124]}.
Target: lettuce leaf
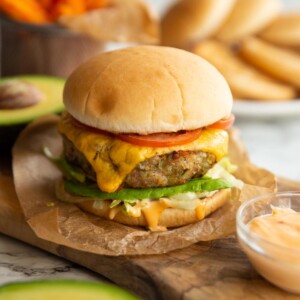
{"type": "Point", "coordinates": [222, 170]}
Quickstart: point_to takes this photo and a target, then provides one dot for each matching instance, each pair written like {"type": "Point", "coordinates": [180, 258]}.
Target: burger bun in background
{"type": "Point", "coordinates": [273, 35]}
{"type": "Point", "coordinates": [193, 20]}
{"type": "Point", "coordinates": [248, 18]}
{"type": "Point", "coordinates": [284, 30]}
{"type": "Point", "coordinates": [245, 81]}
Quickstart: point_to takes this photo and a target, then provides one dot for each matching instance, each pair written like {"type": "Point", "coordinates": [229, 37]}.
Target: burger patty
{"type": "Point", "coordinates": [170, 169]}
{"type": "Point", "coordinates": [173, 168]}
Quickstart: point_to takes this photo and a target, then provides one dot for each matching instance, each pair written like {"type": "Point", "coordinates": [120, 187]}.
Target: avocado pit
{"type": "Point", "coordinates": [15, 94]}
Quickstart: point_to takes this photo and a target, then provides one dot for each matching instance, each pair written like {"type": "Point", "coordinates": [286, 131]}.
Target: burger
{"type": "Point", "coordinates": [144, 138]}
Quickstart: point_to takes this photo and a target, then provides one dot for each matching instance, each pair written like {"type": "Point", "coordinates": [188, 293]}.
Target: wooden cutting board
{"type": "Point", "coordinates": [207, 270]}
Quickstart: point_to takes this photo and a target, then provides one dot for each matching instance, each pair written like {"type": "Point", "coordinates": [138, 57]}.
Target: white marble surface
{"type": "Point", "coordinates": [21, 262]}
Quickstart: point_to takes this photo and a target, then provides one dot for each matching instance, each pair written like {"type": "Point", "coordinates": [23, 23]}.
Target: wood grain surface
{"type": "Point", "coordinates": [206, 270]}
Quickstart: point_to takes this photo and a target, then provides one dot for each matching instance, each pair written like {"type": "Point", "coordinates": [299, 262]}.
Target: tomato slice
{"type": "Point", "coordinates": [78, 124]}
{"type": "Point", "coordinates": [223, 123]}
{"type": "Point", "coordinates": [161, 139]}
{"type": "Point", "coordinates": [150, 140]}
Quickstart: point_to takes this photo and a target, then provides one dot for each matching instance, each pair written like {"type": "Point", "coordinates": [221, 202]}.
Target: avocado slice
{"type": "Point", "coordinates": [51, 87]}
{"type": "Point", "coordinates": [63, 290]}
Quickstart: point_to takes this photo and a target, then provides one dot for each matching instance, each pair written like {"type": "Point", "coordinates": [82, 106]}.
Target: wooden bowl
{"type": "Point", "coordinates": [44, 49]}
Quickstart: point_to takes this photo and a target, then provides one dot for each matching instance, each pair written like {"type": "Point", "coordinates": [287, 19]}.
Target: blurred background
{"type": "Point", "coordinates": [162, 5]}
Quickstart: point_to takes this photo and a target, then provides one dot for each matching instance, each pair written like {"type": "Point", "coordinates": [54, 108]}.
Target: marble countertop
{"type": "Point", "coordinates": [21, 262]}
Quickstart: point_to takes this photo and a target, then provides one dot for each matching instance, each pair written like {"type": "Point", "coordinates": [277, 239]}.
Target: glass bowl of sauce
{"type": "Point", "coordinates": [268, 229]}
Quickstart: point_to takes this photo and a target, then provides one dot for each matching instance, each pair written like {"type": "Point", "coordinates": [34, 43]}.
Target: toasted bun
{"type": "Point", "coordinates": [285, 30]}
{"type": "Point", "coordinates": [249, 17]}
{"type": "Point", "coordinates": [193, 20]}
{"type": "Point", "coordinates": [147, 89]}
{"type": "Point", "coordinates": [170, 217]}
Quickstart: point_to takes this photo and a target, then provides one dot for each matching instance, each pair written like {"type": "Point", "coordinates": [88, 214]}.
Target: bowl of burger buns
{"type": "Point", "coordinates": [254, 44]}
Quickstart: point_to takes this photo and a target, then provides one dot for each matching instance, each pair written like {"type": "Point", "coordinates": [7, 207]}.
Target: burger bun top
{"type": "Point", "coordinates": [147, 89]}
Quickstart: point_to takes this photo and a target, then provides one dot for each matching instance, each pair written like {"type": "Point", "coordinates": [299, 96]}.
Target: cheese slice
{"type": "Point", "coordinates": [113, 159]}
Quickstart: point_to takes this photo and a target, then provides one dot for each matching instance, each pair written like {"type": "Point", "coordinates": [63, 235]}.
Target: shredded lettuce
{"type": "Point", "coordinates": [188, 200]}
{"type": "Point", "coordinates": [222, 170]}
{"type": "Point", "coordinates": [190, 204]}
{"type": "Point", "coordinates": [67, 169]}
{"type": "Point", "coordinates": [228, 165]}
{"type": "Point", "coordinates": [113, 203]}
{"type": "Point", "coordinates": [117, 202]}
{"type": "Point", "coordinates": [132, 210]}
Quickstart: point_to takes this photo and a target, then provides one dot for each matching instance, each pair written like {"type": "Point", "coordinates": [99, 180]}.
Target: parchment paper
{"type": "Point", "coordinates": [119, 21]}
{"type": "Point", "coordinates": [65, 224]}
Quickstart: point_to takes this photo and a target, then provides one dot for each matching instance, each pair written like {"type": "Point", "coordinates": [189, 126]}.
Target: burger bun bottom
{"type": "Point", "coordinates": [170, 217]}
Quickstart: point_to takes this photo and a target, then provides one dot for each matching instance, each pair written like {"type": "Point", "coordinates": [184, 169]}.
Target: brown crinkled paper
{"type": "Point", "coordinates": [65, 224]}
{"type": "Point", "coordinates": [120, 21]}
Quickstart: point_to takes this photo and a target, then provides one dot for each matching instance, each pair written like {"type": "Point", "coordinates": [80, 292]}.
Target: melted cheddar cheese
{"type": "Point", "coordinates": [113, 159]}
{"type": "Point", "coordinates": [152, 213]}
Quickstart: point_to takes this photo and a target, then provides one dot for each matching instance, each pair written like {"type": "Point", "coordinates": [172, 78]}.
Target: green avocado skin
{"type": "Point", "coordinates": [63, 290]}
{"type": "Point", "coordinates": [51, 87]}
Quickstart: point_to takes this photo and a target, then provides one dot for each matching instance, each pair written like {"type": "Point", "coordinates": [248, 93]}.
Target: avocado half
{"type": "Point", "coordinates": [51, 87]}
{"type": "Point", "coordinates": [63, 290]}
{"type": "Point", "coordinates": [12, 121]}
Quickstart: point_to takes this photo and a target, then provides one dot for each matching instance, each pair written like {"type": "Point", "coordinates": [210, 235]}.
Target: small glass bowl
{"type": "Point", "coordinates": [278, 264]}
